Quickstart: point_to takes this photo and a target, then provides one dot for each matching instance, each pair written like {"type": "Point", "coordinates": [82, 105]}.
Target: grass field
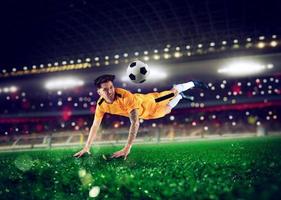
{"type": "Point", "coordinates": [222, 169]}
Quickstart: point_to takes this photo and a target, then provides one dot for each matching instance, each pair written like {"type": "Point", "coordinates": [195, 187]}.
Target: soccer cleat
{"type": "Point", "coordinates": [186, 97]}
{"type": "Point", "coordinates": [200, 84]}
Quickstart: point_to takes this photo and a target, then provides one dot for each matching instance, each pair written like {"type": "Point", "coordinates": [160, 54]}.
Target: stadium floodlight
{"type": "Point", "coordinates": [249, 39]}
{"type": "Point", "coordinates": [241, 68]}
{"type": "Point", "coordinates": [261, 37]}
{"type": "Point", "coordinates": [270, 66]}
{"type": "Point", "coordinates": [212, 44]}
{"type": "Point", "coordinates": [156, 57]}
{"type": "Point", "coordinates": [177, 54]}
{"type": "Point", "coordinates": [5, 89]}
{"type": "Point", "coordinates": [146, 58]}
{"type": "Point", "coordinates": [13, 89]}
{"type": "Point", "coordinates": [261, 45]}
{"type": "Point", "coordinates": [273, 43]}
{"type": "Point", "coordinates": [167, 56]}
{"type": "Point", "coordinates": [63, 83]}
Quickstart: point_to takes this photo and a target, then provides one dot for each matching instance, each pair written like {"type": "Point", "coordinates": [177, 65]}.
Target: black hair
{"type": "Point", "coordinates": [103, 79]}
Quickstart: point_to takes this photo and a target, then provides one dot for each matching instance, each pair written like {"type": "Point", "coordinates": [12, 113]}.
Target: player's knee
{"type": "Point", "coordinates": [168, 109]}
{"type": "Point", "coordinates": [175, 91]}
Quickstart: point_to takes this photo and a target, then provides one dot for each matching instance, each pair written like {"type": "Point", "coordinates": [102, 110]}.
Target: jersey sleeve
{"type": "Point", "coordinates": [130, 101]}
{"type": "Point", "coordinates": [99, 113]}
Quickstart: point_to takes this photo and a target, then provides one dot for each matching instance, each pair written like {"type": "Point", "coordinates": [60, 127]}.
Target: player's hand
{"type": "Point", "coordinates": [82, 152]}
{"type": "Point", "coordinates": [123, 152]}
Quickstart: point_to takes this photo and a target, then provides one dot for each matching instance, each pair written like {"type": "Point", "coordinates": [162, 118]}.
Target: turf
{"type": "Point", "coordinates": [222, 169]}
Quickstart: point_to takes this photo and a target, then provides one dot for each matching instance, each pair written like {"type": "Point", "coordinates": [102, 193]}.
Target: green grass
{"type": "Point", "coordinates": [222, 169]}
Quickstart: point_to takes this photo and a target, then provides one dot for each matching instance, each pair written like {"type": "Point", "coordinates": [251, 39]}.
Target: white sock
{"type": "Point", "coordinates": [175, 101]}
{"type": "Point", "coordinates": [184, 86]}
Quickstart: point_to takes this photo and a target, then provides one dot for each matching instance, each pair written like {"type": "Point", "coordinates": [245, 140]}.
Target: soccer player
{"type": "Point", "coordinates": [119, 101]}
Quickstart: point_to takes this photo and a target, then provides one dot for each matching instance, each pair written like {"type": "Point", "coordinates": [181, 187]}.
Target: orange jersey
{"type": "Point", "coordinates": [150, 106]}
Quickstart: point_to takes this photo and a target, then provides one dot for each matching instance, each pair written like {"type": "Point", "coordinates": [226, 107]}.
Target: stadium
{"type": "Point", "coordinates": [223, 144]}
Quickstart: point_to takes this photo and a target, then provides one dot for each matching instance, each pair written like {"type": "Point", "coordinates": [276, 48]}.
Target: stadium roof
{"type": "Point", "coordinates": [37, 32]}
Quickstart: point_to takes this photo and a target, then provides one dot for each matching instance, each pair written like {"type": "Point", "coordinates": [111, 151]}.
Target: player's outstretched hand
{"type": "Point", "coordinates": [82, 152]}
{"type": "Point", "coordinates": [123, 152]}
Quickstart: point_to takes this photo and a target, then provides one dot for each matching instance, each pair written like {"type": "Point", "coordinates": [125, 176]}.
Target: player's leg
{"type": "Point", "coordinates": [167, 100]}
{"type": "Point", "coordinates": [189, 85]}
{"type": "Point", "coordinates": [178, 92]}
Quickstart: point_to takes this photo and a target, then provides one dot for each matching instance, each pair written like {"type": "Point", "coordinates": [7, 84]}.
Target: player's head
{"type": "Point", "coordinates": [105, 87]}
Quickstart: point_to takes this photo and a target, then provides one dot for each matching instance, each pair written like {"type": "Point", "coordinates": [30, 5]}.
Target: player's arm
{"type": "Point", "coordinates": [92, 135]}
{"type": "Point", "coordinates": [134, 118]}
{"type": "Point", "coordinates": [133, 131]}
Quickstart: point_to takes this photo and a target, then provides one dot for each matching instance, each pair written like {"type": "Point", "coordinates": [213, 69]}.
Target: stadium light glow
{"type": "Point", "coordinates": [273, 43]}
{"type": "Point", "coordinates": [63, 83]}
{"type": "Point", "coordinates": [177, 54]}
{"type": "Point", "coordinates": [167, 56]}
{"type": "Point", "coordinates": [242, 68]}
{"type": "Point", "coordinates": [156, 57]}
{"type": "Point", "coordinates": [261, 45]}
{"type": "Point", "coordinates": [249, 39]}
{"type": "Point", "coordinates": [13, 89]}
{"type": "Point", "coordinates": [146, 58]}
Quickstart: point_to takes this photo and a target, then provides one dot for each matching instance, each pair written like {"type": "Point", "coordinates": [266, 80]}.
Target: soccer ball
{"type": "Point", "coordinates": [138, 71]}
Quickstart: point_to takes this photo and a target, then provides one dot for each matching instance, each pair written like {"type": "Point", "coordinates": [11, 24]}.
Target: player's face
{"type": "Point", "coordinates": [107, 91]}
